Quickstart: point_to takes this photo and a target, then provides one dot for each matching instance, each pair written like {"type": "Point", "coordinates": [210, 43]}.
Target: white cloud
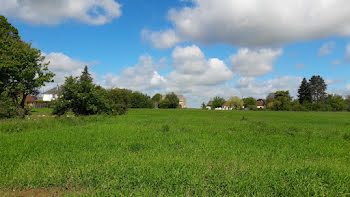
{"type": "Point", "coordinates": [260, 22]}
{"type": "Point", "coordinates": [96, 12]}
{"type": "Point", "coordinates": [326, 49]}
{"type": "Point", "coordinates": [161, 40]}
{"type": "Point", "coordinates": [334, 81]}
{"type": "Point", "coordinates": [335, 62]}
{"type": "Point", "coordinates": [142, 77]}
{"type": "Point", "coordinates": [254, 62]}
{"type": "Point", "coordinates": [347, 56]}
{"type": "Point", "coordinates": [260, 89]}
{"type": "Point", "coordinates": [63, 66]}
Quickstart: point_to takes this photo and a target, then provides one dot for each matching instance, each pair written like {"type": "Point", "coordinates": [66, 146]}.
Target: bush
{"type": "Point", "coordinates": [139, 100]}
{"type": "Point", "coordinates": [164, 104]}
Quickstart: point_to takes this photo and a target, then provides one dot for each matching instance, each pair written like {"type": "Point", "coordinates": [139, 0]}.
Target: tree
{"type": "Point", "coordinates": [281, 102]}
{"type": "Point", "coordinates": [173, 100]}
{"type": "Point", "coordinates": [22, 68]}
{"type": "Point", "coordinates": [318, 89]}
{"type": "Point", "coordinates": [250, 102]}
{"type": "Point", "coordinates": [156, 99]}
{"type": "Point", "coordinates": [347, 100]}
{"type": "Point", "coordinates": [217, 102]}
{"type": "Point", "coordinates": [235, 103]}
{"type": "Point", "coordinates": [139, 100]}
{"type": "Point", "coordinates": [270, 98]}
{"type": "Point", "coordinates": [336, 102]}
{"type": "Point", "coordinates": [85, 98]}
{"type": "Point", "coordinates": [204, 106]}
{"type": "Point", "coordinates": [304, 93]}
{"type": "Point", "coordinates": [120, 96]}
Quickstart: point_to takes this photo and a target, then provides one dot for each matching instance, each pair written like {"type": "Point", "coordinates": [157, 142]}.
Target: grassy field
{"type": "Point", "coordinates": [178, 153]}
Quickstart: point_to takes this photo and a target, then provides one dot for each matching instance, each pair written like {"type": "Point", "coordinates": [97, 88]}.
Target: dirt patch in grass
{"type": "Point", "coordinates": [41, 192]}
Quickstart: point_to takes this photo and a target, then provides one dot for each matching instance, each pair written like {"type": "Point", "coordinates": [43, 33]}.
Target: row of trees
{"type": "Point", "coordinates": [312, 96]}
{"type": "Point", "coordinates": [22, 71]}
{"type": "Point", "coordinates": [83, 97]}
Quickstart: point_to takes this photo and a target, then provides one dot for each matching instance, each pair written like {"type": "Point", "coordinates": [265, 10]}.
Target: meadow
{"type": "Point", "coordinates": [177, 153]}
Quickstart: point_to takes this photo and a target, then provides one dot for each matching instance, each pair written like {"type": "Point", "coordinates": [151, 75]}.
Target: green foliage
{"type": "Point", "coordinates": [318, 89]}
{"type": "Point", "coordinates": [250, 103]}
{"type": "Point", "coordinates": [235, 103]}
{"type": "Point", "coordinates": [217, 102]}
{"type": "Point", "coordinates": [178, 153]}
{"type": "Point", "coordinates": [281, 101]}
{"type": "Point", "coordinates": [171, 101]}
{"type": "Point", "coordinates": [80, 95]}
{"type": "Point", "coordinates": [156, 99]}
{"type": "Point", "coordinates": [304, 92]}
{"type": "Point", "coordinates": [347, 100]}
{"type": "Point", "coordinates": [22, 68]}
{"type": "Point", "coordinates": [335, 103]}
{"type": "Point", "coordinates": [204, 106]}
{"type": "Point", "coordinates": [139, 100]}
{"type": "Point", "coordinates": [120, 96]}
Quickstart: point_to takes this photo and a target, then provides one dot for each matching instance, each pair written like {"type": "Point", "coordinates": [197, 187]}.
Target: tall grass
{"type": "Point", "coordinates": [180, 152]}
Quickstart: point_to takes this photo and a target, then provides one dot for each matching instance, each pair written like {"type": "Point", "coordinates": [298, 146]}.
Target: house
{"type": "Point", "coordinates": [226, 106]}
{"type": "Point", "coordinates": [210, 103]}
{"type": "Point", "coordinates": [260, 104]}
{"type": "Point", "coordinates": [51, 94]}
{"type": "Point", "coordinates": [182, 100]}
{"type": "Point", "coordinates": [30, 100]}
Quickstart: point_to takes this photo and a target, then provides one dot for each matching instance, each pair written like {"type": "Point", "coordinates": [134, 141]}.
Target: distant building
{"type": "Point", "coordinates": [30, 100]}
{"type": "Point", "coordinates": [182, 100]}
{"type": "Point", "coordinates": [210, 103]}
{"type": "Point", "coordinates": [51, 94]}
{"type": "Point", "coordinates": [260, 104]}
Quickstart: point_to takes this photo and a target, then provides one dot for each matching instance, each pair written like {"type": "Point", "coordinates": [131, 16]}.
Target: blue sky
{"type": "Point", "coordinates": [199, 48]}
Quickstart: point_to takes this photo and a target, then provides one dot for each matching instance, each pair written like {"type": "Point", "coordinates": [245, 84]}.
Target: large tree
{"type": "Point", "coordinates": [235, 103]}
{"type": "Point", "coordinates": [318, 89]}
{"type": "Point", "coordinates": [85, 98]}
{"type": "Point", "coordinates": [217, 102]}
{"type": "Point", "coordinates": [22, 68]}
{"type": "Point", "coordinates": [336, 102]}
{"type": "Point", "coordinates": [281, 102]}
{"type": "Point", "coordinates": [304, 92]}
{"type": "Point", "coordinates": [250, 102]}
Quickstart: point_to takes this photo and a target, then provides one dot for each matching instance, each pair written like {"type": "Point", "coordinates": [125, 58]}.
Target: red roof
{"type": "Point", "coordinates": [30, 99]}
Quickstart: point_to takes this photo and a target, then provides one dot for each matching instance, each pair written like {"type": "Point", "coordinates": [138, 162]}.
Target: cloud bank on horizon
{"type": "Point", "coordinates": [257, 30]}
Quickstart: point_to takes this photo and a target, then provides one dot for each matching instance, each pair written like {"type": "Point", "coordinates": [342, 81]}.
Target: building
{"type": "Point", "coordinates": [182, 100]}
{"type": "Point", "coordinates": [260, 104]}
{"type": "Point", "coordinates": [51, 94]}
{"type": "Point", "coordinates": [30, 100]}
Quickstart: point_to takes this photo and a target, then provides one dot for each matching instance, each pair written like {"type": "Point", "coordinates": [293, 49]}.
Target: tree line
{"type": "Point", "coordinates": [312, 96]}
{"type": "Point", "coordinates": [83, 97]}
{"type": "Point", "coordinates": [23, 71]}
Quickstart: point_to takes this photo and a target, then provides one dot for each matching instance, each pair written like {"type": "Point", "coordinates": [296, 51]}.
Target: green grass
{"type": "Point", "coordinates": [180, 153]}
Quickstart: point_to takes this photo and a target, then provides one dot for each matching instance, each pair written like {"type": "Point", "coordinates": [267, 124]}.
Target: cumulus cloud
{"type": "Point", "coordinates": [142, 77]}
{"type": "Point", "coordinates": [259, 22]}
{"type": "Point", "coordinates": [96, 12]}
{"type": "Point", "coordinates": [249, 62]}
{"type": "Point", "coordinates": [161, 40]}
{"type": "Point", "coordinates": [326, 49]}
{"type": "Point", "coordinates": [249, 86]}
{"type": "Point", "coordinates": [63, 66]}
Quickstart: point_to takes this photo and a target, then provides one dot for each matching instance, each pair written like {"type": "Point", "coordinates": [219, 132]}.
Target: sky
{"type": "Point", "coordinates": [198, 48]}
